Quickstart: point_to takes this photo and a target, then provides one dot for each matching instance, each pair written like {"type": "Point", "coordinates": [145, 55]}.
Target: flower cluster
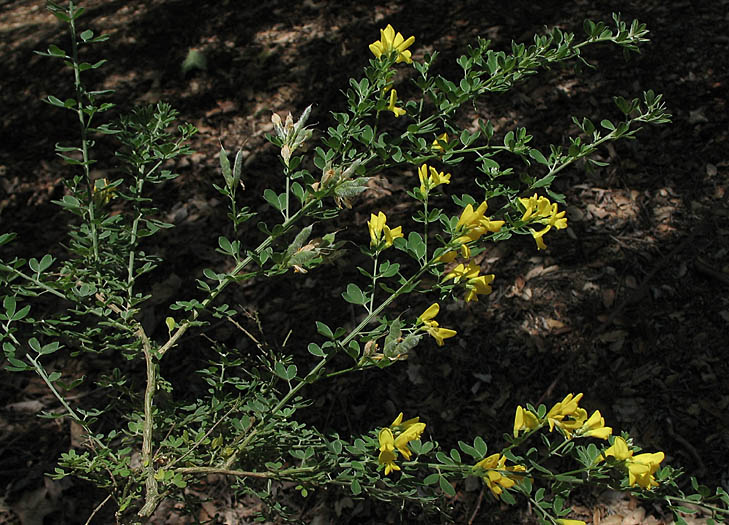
{"type": "Point", "coordinates": [468, 275]}
{"type": "Point", "coordinates": [396, 438]}
{"type": "Point", "coordinates": [541, 210]}
{"type": "Point", "coordinates": [572, 421]}
{"type": "Point", "coordinates": [566, 415]}
{"type": "Point", "coordinates": [497, 475]}
{"type": "Point", "coordinates": [390, 42]}
{"type": "Point", "coordinates": [292, 135]}
{"type": "Point", "coordinates": [641, 468]}
{"type": "Point", "coordinates": [430, 178]}
{"type": "Point", "coordinates": [430, 325]}
{"type": "Point", "coordinates": [472, 225]}
{"type": "Point", "coordinates": [380, 232]}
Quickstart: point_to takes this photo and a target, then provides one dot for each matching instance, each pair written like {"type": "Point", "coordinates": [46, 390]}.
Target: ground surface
{"type": "Point", "coordinates": [630, 305]}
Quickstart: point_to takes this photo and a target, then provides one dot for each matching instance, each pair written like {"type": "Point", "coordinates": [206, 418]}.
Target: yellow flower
{"type": "Point", "coordinates": [619, 450]}
{"type": "Point", "coordinates": [471, 218]}
{"type": "Point", "coordinates": [392, 107]}
{"type": "Point", "coordinates": [449, 257]}
{"type": "Point", "coordinates": [431, 326]}
{"type": "Point", "coordinates": [437, 143]}
{"type": "Point", "coordinates": [524, 420]}
{"type": "Point", "coordinates": [595, 427]}
{"type": "Point", "coordinates": [474, 224]}
{"type": "Point", "coordinates": [475, 284]}
{"type": "Point", "coordinates": [407, 431]}
{"type": "Point", "coordinates": [387, 451]}
{"type": "Point", "coordinates": [480, 285]}
{"type": "Point", "coordinates": [412, 433]}
{"type": "Point", "coordinates": [431, 177]}
{"type": "Point", "coordinates": [498, 476]}
{"type": "Point", "coordinates": [541, 210]}
{"type": "Point", "coordinates": [641, 468]}
{"type": "Point", "coordinates": [102, 192]}
{"type": "Point", "coordinates": [390, 41]}
{"type": "Point", "coordinates": [535, 208]}
{"type": "Point", "coordinates": [570, 522]}
{"type": "Point", "coordinates": [567, 408]}
{"type": "Point", "coordinates": [377, 226]}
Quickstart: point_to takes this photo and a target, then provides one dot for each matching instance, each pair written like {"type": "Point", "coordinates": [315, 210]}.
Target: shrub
{"type": "Point", "coordinates": [142, 450]}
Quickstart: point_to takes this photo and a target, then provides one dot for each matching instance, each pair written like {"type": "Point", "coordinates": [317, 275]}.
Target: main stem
{"type": "Point", "coordinates": [153, 497]}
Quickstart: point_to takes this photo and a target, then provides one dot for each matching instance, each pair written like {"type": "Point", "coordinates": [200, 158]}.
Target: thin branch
{"type": "Point", "coordinates": [97, 509]}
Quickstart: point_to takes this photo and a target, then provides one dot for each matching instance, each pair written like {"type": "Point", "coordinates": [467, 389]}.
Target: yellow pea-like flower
{"type": "Point", "coordinates": [391, 41]}
{"type": "Point", "coordinates": [392, 105]}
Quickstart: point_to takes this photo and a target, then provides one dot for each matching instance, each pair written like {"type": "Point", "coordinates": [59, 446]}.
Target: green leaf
{"type": "Point", "coordinates": [507, 498]}
{"type": "Point", "coordinates": [537, 155]}
{"type": "Point", "coordinates": [9, 305]}
{"type": "Point", "coordinates": [354, 295]}
{"type": "Point", "coordinates": [39, 267]}
{"type": "Point", "coordinates": [20, 314]}
{"type": "Point", "coordinates": [56, 51]}
{"type": "Point", "coordinates": [272, 198]}
{"type": "Point", "coordinates": [480, 445]}
{"type": "Point", "coordinates": [87, 35]}
{"type": "Point", "coordinates": [212, 275]}
{"type": "Point", "coordinates": [356, 487]}
{"type": "Point", "coordinates": [607, 124]}
{"type": "Point", "coordinates": [5, 238]}
{"type": "Point", "coordinates": [225, 245]}
{"type": "Point", "coordinates": [446, 487]}
{"type": "Point", "coordinates": [324, 330]}
{"type": "Point", "coordinates": [49, 348]}
{"type": "Point", "coordinates": [34, 344]}
{"type": "Point", "coordinates": [290, 372]}
{"type": "Point", "coordinates": [431, 479]}
{"type": "Point", "coordinates": [225, 167]}
{"type": "Point", "coordinates": [468, 449]}
{"type": "Point", "coordinates": [315, 350]}
{"type": "Point", "coordinates": [178, 481]}
{"type": "Point", "coordinates": [55, 101]}
{"type": "Point", "coordinates": [544, 181]}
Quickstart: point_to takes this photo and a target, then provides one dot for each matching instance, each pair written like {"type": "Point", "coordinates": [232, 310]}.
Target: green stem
{"type": "Point", "coordinates": [42, 373]}
{"type": "Point", "coordinates": [288, 184]}
{"type": "Point", "coordinates": [246, 474]}
{"type": "Point", "coordinates": [84, 133]}
{"type": "Point", "coordinates": [712, 508]}
{"type": "Point", "coordinates": [535, 505]}
{"type": "Point", "coordinates": [374, 282]}
{"type": "Point", "coordinates": [425, 225]}
{"type": "Point", "coordinates": [133, 244]}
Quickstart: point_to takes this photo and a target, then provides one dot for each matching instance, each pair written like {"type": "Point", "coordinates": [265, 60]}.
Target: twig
{"type": "Point", "coordinates": [97, 509]}
{"type": "Point", "coordinates": [478, 506]}
{"type": "Point", "coordinates": [225, 472]}
{"type": "Point", "coordinates": [199, 441]}
{"type": "Point", "coordinates": [239, 327]}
